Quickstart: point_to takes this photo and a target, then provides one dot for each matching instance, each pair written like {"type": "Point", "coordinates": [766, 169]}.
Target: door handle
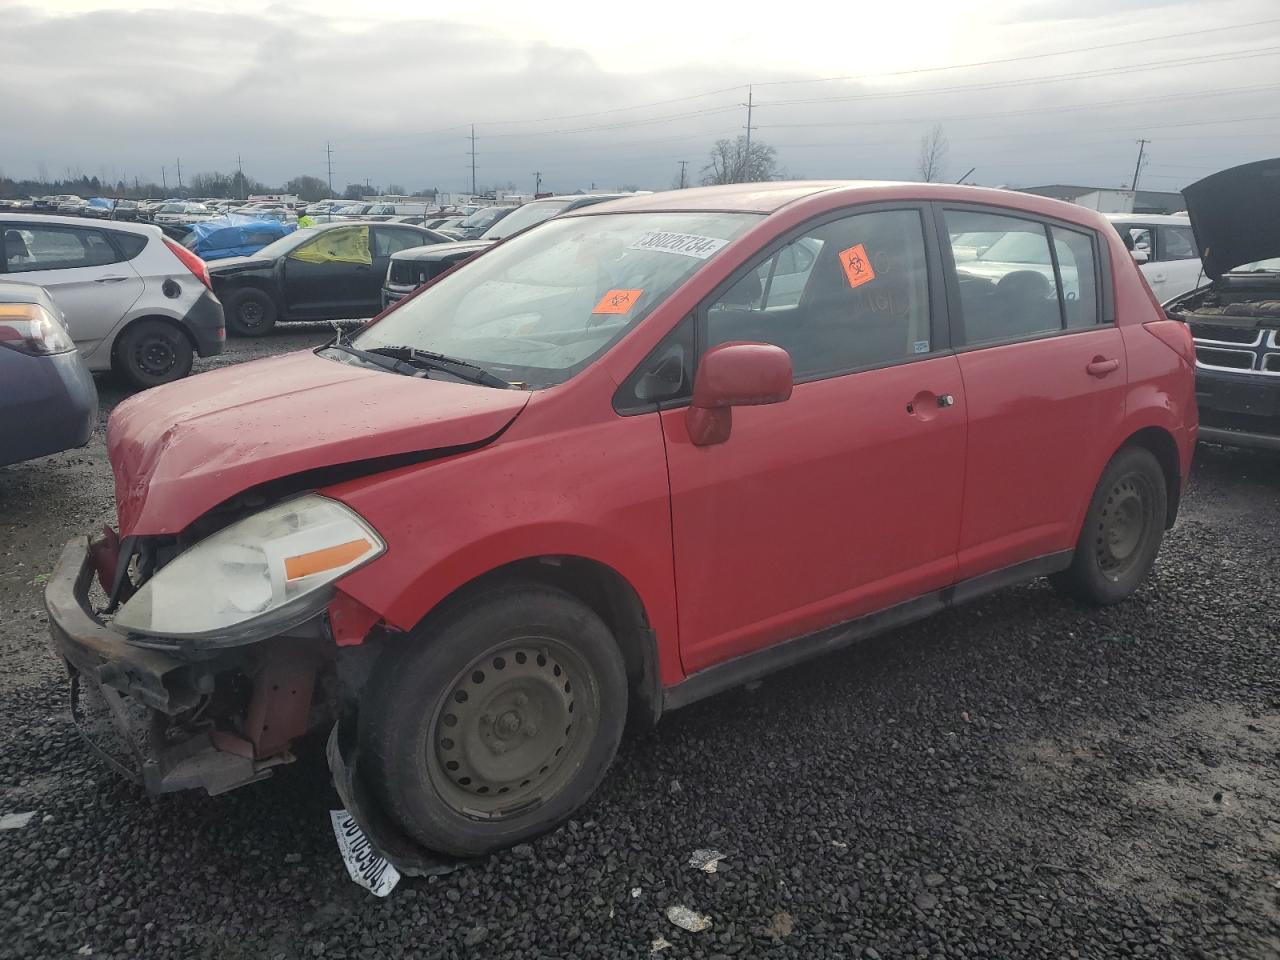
{"type": "Point", "coordinates": [1100, 367]}
{"type": "Point", "coordinates": [110, 279]}
{"type": "Point", "coordinates": [918, 406]}
{"type": "Point", "coordinates": [946, 400]}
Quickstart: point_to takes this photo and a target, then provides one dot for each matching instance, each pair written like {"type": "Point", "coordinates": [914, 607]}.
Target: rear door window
{"type": "Point", "coordinates": [389, 240]}
{"type": "Point", "coordinates": [1078, 277]}
{"type": "Point", "coordinates": [32, 247]}
{"type": "Point", "coordinates": [1177, 243]}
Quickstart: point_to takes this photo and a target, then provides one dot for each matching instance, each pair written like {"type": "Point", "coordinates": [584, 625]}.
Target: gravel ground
{"type": "Point", "coordinates": [1019, 778]}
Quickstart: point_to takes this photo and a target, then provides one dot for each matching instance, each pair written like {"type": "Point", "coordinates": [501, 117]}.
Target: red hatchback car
{"type": "Point", "coordinates": [629, 458]}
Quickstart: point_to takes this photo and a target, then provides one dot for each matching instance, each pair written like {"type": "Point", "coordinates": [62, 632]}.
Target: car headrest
{"type": "Point", "coordinates": [1028, 284]}
{"type": "Point", "coordinates": [14, 245]}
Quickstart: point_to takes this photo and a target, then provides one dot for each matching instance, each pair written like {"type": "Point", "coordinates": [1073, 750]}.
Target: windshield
{"type": "Point", "coordinates": [542, 306]}
{"type": "Point", "coordinates": [484, 217]}
{"type": "Point", "coordinates": [1258, 266]}
{"type": "Point", "coordinates": [287, 243]}
{"type": "Point", "coordinates": [173, 208]}
{"type": "Point", "coordinates": [526, 216]}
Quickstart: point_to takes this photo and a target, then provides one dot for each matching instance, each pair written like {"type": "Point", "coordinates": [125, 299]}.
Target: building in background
{"type": "Point", "coordinates": [1108, 200]}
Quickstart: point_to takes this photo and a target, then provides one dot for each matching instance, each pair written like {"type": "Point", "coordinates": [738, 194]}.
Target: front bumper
{"type": "Point", "coordinates": [141, 710]}
{"type": "Point", "coordinates": [1240, 409]}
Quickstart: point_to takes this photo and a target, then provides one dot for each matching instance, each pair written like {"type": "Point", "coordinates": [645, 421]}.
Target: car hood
{"type": "Point", "coordinates": [443, 251]}
{"type": "Point", "coordinates": [1235, 215]}
{"type": "Point", "coordinates": [179, 450]}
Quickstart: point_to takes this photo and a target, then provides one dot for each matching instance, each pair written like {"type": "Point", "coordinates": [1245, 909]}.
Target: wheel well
{"type": "Point", "coordinates": [1165, 450]}
{"type": "Point", "coordinates": [262, 286]}
{"type": "Point", "coordinates": [115, 343]}
{"type": "Point", "coordinates": [610, 597]}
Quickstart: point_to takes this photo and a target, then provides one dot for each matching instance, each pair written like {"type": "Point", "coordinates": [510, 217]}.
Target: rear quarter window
{"type": "Point", "coordinates": [129, 244]}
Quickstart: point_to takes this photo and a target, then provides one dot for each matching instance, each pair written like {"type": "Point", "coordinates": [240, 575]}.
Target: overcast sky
{"type": "Point", "coordinates": [573, 89]}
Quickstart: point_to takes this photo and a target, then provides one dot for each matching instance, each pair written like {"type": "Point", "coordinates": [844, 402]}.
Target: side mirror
{"type": "Point", "coordinates": [1140, 256]}
{"type": "Point", "coordinates": [735, 375]}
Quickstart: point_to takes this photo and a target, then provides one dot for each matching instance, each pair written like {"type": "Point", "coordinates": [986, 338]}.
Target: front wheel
{"type": "Point", "coordinates": [250, 313]}
{"type": "Point", "coordinates": [496, 722]}
{"type": "Point", "coordinates": [1122, 530]}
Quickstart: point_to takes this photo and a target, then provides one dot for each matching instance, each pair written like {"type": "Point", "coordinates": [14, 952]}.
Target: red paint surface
{"type": "Point", "coordinates": [834, 503]}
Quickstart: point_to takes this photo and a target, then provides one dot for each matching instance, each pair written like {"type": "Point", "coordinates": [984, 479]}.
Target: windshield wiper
{"type": "Point", "coordinates": [425, 359]}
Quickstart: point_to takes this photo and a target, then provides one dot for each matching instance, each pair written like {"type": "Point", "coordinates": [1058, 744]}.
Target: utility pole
{"type": "Point", "coordinates": [164, 184]}
{"type": "Point", "coordinates": [328, 150]}
{"type": "Point", "coordinates": [1137, 167]}
{"type": "Point", "coordinates": [683, 164]}
{"type": "Point", "coordinates": [537, 183]}
{"type": "Point", "coordinates": [240, 167]}
{"type": "Point", "coordinates": [750, 100]}
{"type": "Point", "coordinates": [473, 159]}
{"type": "Point", "coordinates": [179, 174]}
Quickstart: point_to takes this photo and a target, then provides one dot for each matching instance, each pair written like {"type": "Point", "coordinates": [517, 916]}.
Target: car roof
{"type": "Point", "coordinates": [817, 196]}
{"type": "Point", "coordinates": [124, 226]}
{"type": "Point", "coordinates": [1173, 219]}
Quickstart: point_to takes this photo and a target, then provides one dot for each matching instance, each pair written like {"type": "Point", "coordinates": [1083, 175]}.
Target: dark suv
{"type": "Point", "coordinates": [1235, 320]}
{"type": "Point", "coordinates": [410, 269]}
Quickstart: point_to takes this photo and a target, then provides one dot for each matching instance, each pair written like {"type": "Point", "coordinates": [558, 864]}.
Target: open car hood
{"type": "Point", "coordinates": [1236, 216]}
{"type": "Point", "coordinates": [180, 450]}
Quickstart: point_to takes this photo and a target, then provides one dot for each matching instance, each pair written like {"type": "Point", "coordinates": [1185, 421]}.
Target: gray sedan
{"type": "Point", "coordinates": [48, 401]}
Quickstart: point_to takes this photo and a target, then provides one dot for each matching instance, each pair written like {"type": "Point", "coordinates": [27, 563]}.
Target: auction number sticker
{"type": "Point", "coordinates": [367, 867]}
{"type": "Point", "coordinates": [687, 244]}
{"type": "Point", "coordinates": [617, 301]}
{"type": "Point", "coordinates": [857, 265]}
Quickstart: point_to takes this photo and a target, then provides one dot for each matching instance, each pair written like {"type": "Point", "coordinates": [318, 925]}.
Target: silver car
{"type": "Point", "coordinates": [134, 301]}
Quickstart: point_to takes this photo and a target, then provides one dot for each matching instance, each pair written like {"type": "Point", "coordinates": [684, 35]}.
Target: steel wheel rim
{"type": "Point", "coordinates": [251, 313]}
{"type": "Point", "coordinates": [155, 356]}
{"type": "Point", "coordinates": [513, 728]}
{"type": "Point", "coordinates": [1122, 525]}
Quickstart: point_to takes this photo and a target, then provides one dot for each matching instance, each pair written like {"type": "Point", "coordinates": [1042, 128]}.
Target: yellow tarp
{"type": "Point", "coordinates": [340, 246]}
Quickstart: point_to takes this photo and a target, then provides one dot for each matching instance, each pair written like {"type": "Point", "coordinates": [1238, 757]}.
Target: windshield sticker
{"type": "Point", "coordinates": [857, 267]}
{"type": "Point", "coordinates": [618, 301]}
{"type": "Point", "coordinates": [921, 346]}
{"type": "Point", "coordinates": [687, 244]}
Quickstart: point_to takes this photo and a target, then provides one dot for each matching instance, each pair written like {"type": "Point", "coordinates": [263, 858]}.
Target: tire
{"type": "Point", "coordinates": [250, 313]}
{"type": "Point", "coordinates": [152, 352]}
{"type": "Point", "coordinates": [461, 723]}
{"type": "Point", "coordinates": [1122, 530]}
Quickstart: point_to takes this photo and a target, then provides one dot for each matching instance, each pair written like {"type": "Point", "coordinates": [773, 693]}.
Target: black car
{"type": "Point", "coordinates": [1235, 319]}
{"type": "Point", "coordinates": [328, 272]}
{"type": "Point", "coordinates": [412, 268]}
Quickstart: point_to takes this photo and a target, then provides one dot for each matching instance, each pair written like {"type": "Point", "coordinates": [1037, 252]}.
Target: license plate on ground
{"type": "Point", "coordinates": [366, 866]}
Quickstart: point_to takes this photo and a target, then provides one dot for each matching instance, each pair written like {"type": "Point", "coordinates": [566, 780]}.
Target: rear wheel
{"type": "Point", "coordinates": [250, 313]}
{"type": "Point", "coordinates": [152, 352]}
{"type": "Point", "coordinates": [1122, 531]}
{"type": "Point", "coordinates": [497, 722]}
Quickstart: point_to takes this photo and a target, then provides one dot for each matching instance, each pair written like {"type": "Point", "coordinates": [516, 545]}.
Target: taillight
{"type": "Point", "coordinates": [1176, 336]}
{"type": "Point", "coordinates": [31, 329]}
{"type": "Point", "coordinates": [189, 260]}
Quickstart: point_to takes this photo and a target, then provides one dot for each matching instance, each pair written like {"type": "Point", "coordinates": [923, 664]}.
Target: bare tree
{"type": "Point", "coordinates": [933, 154]}
{"type": "Point", "coordinates": [729, 162]}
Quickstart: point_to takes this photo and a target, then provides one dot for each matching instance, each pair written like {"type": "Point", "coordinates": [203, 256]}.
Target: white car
{"type": "Point", "coordinates": [135, 301]}
{"type": "Point", "coordinates": [1165, 249]}
{"type": "Point", "coordinates": [182, 212]}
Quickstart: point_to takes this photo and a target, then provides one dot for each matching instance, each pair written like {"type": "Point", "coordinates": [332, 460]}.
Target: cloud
{"type": "Point", "coordinates": [126, 92]}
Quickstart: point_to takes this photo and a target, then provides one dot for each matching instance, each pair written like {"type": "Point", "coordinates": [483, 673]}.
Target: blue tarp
{"type": "Point", "coordinates": [101, 202]}
{"type": "Point", "coordinates": [235, 235]}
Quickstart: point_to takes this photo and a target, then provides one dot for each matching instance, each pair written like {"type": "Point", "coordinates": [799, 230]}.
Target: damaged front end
{"type": "Point", "coordinates": [210, 658]}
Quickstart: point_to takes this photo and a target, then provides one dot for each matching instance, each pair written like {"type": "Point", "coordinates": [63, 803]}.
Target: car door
{"type": "Point", "coordinates": [85, 273]}
{"type": "Point", "coordinates": [1178, 268]}
{"type": "Point", "coordinates": [844, 499]}
{"type": "Point", "coordinates": [386, 241]}
{"type": "Point", "coordinates": [1044, 370]}
{"type": "Point", "coordinates": [328, 276]}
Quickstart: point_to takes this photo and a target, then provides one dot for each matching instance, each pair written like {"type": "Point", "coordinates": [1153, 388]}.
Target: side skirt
{"type": "Point", "coordinates": [752, 666]}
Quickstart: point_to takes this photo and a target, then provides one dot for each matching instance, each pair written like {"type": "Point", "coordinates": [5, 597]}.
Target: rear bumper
{"type": "Point", "coordinates": [207, 324]}
{"type": "Point", "coordinates": [136, 707]}
{"type": "Point", "coordinates": [49, 404]}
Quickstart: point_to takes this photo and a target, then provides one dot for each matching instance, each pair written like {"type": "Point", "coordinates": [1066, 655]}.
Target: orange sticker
{"type": "Point", "coordinates": [857, 266]}
{"type": "Point", "coordinates": [618, 301]}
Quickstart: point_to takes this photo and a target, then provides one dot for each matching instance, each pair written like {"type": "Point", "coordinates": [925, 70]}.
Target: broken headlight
{"type": "Point", "coordinates": [255, 578]}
